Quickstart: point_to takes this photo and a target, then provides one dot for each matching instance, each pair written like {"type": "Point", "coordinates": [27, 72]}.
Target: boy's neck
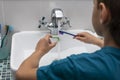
{"type": "Point", "coordinates": [108, 41]}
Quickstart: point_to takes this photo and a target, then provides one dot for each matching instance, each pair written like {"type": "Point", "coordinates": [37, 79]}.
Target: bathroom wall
{"type": "Point", "coordinates": [24, 14]}
{"type": "Point", "coordinates": [0, 11]}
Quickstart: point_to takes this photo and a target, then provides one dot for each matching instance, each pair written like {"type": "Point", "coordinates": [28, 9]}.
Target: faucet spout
{"type": "Point", "coordinates": [57, 13]}
{"type": "Point", "coordinates": [56, 16]}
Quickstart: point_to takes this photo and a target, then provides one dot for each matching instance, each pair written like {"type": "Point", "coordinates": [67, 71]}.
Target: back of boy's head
{"type": "Point", "coordinates": [114, 25]}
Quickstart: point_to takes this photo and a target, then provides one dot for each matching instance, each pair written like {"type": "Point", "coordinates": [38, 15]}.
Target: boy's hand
{"type": "Point", "coordinates": [45, 44]}
{"type": "Point", "coordinates": [88, 38]}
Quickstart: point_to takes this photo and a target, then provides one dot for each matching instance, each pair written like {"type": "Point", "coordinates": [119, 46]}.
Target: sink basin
{"type": "Point", "coordinates": [24, 43]}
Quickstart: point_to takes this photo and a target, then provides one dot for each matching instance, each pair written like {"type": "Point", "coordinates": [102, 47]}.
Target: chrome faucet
{"type": "Point", "coordinates": [58, 20]}
{"type": "Point", "coordinates": [56, 15]}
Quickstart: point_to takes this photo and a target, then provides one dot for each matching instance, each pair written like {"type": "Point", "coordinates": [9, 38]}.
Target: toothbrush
{"type": "Point", "coordinates": [8, 29]}
{"type": "Point", "coordinates": [63, 32]}
{"type": "Point", "coordinates": [0, 35]}
{"type": "Point", "coordinates": [2, 41]}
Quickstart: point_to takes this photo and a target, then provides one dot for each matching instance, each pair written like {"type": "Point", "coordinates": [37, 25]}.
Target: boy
{"type": "Point", "coordinates": [103, 64]}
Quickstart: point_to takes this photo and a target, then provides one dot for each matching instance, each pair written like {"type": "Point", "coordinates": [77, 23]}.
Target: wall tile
{"type": "Point", "coordinates": [24, 14]}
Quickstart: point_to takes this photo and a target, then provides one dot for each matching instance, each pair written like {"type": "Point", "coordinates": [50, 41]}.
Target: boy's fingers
{"type": "Point", "coordinates": [53, 44]}
{"type": "Point", "coordinates": [80, 38]}
{"type": "Point", "coordinates": [48, 36]}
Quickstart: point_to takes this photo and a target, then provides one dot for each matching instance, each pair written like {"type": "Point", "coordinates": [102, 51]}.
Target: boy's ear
{"type": "Point", "coordinates": [104, 13]}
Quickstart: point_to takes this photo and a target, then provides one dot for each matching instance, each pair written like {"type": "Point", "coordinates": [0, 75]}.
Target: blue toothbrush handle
{"type": "Point", "coordinates": [69, 34]}
{"type": "Point", "coordinates": [63, 32]}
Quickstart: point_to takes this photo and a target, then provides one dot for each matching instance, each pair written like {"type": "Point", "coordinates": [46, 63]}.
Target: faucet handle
{"type": "Point", "coordinates": [65, 23]}
{"type": "Point", "coordinates": [42, 22]}
{"type": "Point", "coordinates": [68, 22]}
{"type": "Point", "coordinates": [43, 18]}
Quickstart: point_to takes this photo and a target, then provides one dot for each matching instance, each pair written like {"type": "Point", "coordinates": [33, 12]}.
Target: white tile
{"type": "Point", "coordinates": [24, 14]}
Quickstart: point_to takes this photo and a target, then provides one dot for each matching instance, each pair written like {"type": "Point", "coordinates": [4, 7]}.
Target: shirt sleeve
{"type": "Point", "coordinates": [58, 70]}
{"type": "Point", "coordinates": [75, 67]}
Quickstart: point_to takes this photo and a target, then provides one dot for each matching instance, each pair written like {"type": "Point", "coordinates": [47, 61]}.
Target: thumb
{"type": "Point", "coordinates": [53, 44]}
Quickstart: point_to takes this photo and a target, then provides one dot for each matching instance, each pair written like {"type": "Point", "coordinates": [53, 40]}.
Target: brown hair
{"type": "Point", "coordinates": [114, 24]}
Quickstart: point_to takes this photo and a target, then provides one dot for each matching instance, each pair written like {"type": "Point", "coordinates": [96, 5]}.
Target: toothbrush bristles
{"type": "Point", "coordinates": [60, 32]}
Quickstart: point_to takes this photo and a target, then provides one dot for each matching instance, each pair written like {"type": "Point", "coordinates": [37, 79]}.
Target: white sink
{"type": "Point", "coordinates": [24, 43]}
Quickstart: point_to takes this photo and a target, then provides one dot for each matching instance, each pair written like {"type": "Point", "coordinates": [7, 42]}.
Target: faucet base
{"type": "Point", "coordinates": [54, 31]}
